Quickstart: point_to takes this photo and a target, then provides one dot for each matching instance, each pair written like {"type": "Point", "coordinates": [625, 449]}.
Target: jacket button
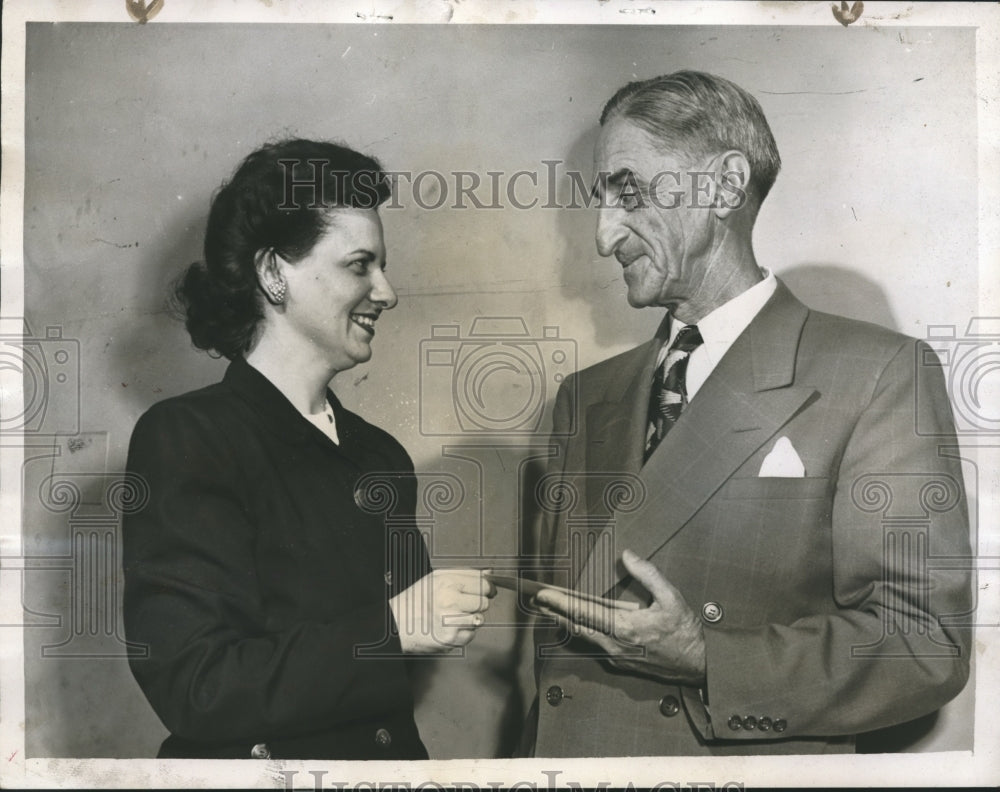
{"type": "Point", "coordinates": [780, 725]}
{"type": "Point", "coordinates": [383, 738]}
{"type": "Point", "coordinates": [764, 723]}
{"type": "Point", "coordinates": [711, 612]}
{"type": "Point", "coordinates": [554, 695]}
{"type": "Point", "coordinates": [735, 723]}
{"type": "Point", "coordinates": [388, 578]}
{"type": "Point", "coordinates": [749, 723]}
{"type": "Point", "coordinates": [669, 706]}
{"type": "Point", "coordinates": [260, 751]}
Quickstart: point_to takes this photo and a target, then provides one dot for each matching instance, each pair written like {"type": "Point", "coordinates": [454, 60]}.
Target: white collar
{"type": "Point", "coordinates": [722, 326]}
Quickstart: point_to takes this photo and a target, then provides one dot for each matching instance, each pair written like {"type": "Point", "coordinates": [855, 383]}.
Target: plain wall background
{"type": "Point", "coordinates": [130, 128]}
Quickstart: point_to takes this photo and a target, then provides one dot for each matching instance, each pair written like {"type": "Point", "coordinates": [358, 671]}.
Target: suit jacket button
{"type": "Point", "coordinates": [669, 706]}
{"type": "Point", "coordinates": [711, 612]}
{"type": "Point", "coordinates": [260, 751]}
{"type": "Point", "coordinates": [735, 723]}
{"type": "Point", "coordinates": [383, 738]}
{"type": "Point", "coordinates": [780, 725]}
{"type": "Point", "coordinates": [764, 723]}
{"type": "Point", "coordinates": [554, 695]}
{"type": "Point", "coordinates": [749, 723]}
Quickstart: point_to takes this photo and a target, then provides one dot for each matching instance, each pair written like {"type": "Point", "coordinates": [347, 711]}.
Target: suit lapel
{"type": "Point", "coordinates": [616, 427]}
{"type": "Point", "coordinates": [746, 400]}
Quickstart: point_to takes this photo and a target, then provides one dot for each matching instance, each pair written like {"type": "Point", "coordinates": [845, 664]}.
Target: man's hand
{"type": "Point", "coordinates": [442, 610]}
{"type": "Point", "coordinates": [665, 639]}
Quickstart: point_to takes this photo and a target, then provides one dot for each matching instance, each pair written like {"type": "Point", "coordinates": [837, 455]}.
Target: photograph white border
{"type": "Point", "coordinates": [978, 767]}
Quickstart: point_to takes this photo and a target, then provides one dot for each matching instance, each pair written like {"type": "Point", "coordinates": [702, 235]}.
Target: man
{"type": "Point", "coordinates": [749, 486]}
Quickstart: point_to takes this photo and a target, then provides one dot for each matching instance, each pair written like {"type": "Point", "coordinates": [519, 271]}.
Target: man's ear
{"type": "Point", "coordinates": [267, 263]}
{"type": "Point", "coordinates": [732, 183]}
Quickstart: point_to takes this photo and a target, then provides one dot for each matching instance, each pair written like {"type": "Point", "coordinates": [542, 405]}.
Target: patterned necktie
{"type": "Point", "coordinates": [668, 396]}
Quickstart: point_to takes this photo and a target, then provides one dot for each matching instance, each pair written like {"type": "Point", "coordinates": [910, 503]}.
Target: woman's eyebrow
{"type": "Point", "coordinates": [367, 255]}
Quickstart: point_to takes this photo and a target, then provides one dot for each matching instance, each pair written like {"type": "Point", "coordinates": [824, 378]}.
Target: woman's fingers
{"type": "Point", "coordinates": [462, 590]}
{"type": "Point", "coordinates": [469, 581]}
{"type": "Point", "coordinates": [442, 610]}
{"type": "Point", "coordinates": [466, 603]}
{"type": "Point", "coordinates": [468, 620]}
{"type": "Point", "coordinates": [458, 629]}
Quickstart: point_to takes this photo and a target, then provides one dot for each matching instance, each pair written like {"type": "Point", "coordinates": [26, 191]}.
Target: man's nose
{"type": "Point", "coordinates": [610, 230]}
{"type": "Point", "coordinates": [382, 291]}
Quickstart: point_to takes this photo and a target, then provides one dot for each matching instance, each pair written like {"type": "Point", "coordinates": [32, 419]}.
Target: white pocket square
{"type": "Point", "coordinates": [782, 462]}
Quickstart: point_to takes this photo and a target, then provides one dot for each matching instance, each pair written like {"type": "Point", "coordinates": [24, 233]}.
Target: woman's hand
{"type": "Point", "coordinates": [442, 610]}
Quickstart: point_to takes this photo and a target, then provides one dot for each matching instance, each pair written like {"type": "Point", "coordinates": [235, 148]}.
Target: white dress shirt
{"type": "Point", "coordinates": [719, 329]}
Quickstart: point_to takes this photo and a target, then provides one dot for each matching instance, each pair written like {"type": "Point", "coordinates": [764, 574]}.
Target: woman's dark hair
{"type": "Point", "coordinates": [276, 200]}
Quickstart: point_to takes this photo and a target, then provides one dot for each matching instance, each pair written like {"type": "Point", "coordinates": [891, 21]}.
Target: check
{"type": "Point", "coordinates": [531, 587]}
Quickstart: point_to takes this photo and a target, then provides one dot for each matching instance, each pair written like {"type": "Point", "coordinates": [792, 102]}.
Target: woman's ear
{"type": "Point", "coordinates": [269, 277]}
{"type": "Point", "coordinates": [732, 181]}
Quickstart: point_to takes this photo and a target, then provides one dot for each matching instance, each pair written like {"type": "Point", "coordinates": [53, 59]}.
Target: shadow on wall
{"type": "Point", "coordinates": [159, 361]}
{"type": "Point", "coordinates": [586, 277]}
{"type": "Point", "coordinates": [835, 289]}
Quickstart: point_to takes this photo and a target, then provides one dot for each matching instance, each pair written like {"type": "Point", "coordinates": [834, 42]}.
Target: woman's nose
{"type": "Point", "coordinates": [382, 291]}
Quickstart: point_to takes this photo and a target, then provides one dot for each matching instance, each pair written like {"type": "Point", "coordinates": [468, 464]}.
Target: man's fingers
{"type": "Point", "coordinates": [580, 611]}
{"type": "Point", "coordinates": [604, 641]}
{"type": "Point", "coordinates": [650, 578]}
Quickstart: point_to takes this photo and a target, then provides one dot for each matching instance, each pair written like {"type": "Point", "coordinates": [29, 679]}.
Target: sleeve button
{"type": "Point", "coordinates": [669, 706]}
{"type": "Point", "coordinates": [735, 723]}
{"type": "Point", "coordinates": [749, 723]}
{"type": "Point", "coordinates": [711, 612]}
{"type": "Point", "coordinates": [780, 725]}
{"type": "Point", "coordinates": [260, 751]}
{"type": "Point", "coordinates": [764, 723]}
{"type": "Point", "coordinates": [383, 737]}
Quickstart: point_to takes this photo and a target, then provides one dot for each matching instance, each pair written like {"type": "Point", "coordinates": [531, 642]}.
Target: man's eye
{"type": "Point", "coordinates": [629, 200]}
{"type": "Point", "coordinates": [360, 266]}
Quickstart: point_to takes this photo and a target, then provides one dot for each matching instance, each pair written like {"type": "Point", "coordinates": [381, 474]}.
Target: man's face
{"type": "Point", "coordinates": [654, 218]}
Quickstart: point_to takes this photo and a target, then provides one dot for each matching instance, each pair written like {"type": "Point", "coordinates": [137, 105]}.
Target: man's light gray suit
{"type": "Point", "coordinates": [822, 616]}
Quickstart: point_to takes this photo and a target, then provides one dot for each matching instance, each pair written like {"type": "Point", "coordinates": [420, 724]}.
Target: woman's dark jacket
{"type": "Point", "coordinates": [259, 572]}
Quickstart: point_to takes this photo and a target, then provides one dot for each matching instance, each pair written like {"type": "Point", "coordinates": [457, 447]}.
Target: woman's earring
{"type": "Point", "coordinates": [276, 291]}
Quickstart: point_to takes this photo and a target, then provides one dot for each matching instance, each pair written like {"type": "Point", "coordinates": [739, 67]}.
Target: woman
{"type": "Point", "coordinates": [275, 605]}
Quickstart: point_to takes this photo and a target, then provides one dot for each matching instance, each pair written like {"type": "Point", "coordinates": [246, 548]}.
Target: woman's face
{"type": "Point", "coordinates": [337, 292]}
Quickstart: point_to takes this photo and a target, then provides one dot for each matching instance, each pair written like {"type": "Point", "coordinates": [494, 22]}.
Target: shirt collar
{"type": "Point", "coordinates": [722, 326]}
